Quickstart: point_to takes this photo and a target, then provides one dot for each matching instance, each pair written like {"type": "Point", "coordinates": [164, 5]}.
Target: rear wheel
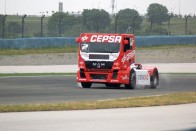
{"type": "Point", "coordinates": [132, 81]}
{"type": "Point", "coordinates": [86, 84]}
{"type": "Point", "coordinates": [154, 80]}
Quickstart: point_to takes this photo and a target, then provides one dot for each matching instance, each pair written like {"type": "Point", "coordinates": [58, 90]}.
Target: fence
{"type": "Point", "coordinates": [25, 43]}
{"type": "Point", "coordinates": [38, 26]}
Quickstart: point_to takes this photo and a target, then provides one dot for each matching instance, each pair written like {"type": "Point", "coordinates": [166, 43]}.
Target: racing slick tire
{"type": "Point", "coordinates": [132, 81]}
{"type": "Point", "coordinates": [154, 80]}
{"type": "Point", "coordinates": [86, 84]}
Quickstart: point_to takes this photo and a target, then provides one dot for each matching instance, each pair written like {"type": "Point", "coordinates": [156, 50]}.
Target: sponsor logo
{"type": "Point", "coordinates": [98, 65]}
{"type": "Point", "coordinates": [128, 56]}
{"type": "Point", "coordinates": [84, 38]}
{"type": "Point", "coordinates": [82, 79]}
{"type": "Point", "coordinates": [143, 77]}
{"type": "Point", "coordinates": [114, 80]}
{"type": "Point", "coordinates": [105, 38]}
{"type": "Point", "coordinates": [125, 77]}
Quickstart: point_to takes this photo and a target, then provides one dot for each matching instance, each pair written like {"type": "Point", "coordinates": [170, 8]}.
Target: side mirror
{"type": "Point", "coordinates": [126, 42]}
{"type": "Point", "coordinates": [78, 39]}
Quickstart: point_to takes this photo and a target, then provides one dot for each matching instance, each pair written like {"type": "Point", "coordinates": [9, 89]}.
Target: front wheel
{"type": "Point", "coordinates": [86, 84]}
{"type": "Point", "coordinates": [132, 81]}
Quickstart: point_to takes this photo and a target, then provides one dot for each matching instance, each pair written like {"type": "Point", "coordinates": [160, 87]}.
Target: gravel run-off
{"type": "Point", "coordinates": [143, 55]}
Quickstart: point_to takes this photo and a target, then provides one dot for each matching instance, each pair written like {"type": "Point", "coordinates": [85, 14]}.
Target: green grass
{"type": "Point", "coordinates": [170, 99]}
{"type": "Point", "coordinates": [67, 49]}
{"type": "Point", "coordinates": [178, 26]}
{"type": "Point", "coordinates": [74, 49]}
{"type": "Point", "coordinates": [32, 24]}
{"type": "Point", "coordinates": [68, 74]}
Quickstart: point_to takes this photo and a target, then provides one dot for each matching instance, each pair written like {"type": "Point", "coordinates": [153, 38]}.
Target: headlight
{"type": "Point", "coordinates": [114, 56]}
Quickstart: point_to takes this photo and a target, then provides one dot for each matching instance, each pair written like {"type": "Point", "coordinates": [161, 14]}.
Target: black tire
{"type": "Point", "coordinates": [132, 81]}
{"type": "Point", "coordinates": [112, 85]}
{"type": "Point", "coordinates": [154, 80]}
{"type": "Point", "coordinates": [86, 84]}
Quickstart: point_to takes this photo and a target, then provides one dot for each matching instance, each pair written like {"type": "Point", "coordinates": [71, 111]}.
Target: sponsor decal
{"type": "Point", "coordinates": [143, 77]}
{"type": "Point", "coordinates": [98, 65]}
{"type": "Point", "coordinates": [125, 77]}
{"type": "Point", "coordinates": [128, 56]}
{"type": "Point", "coordinates": [82, 79]}
{"type": "Point", "coordinates": [114, 80]}
{"type": "Point", "coordinates": [102, 38]}
{"type": "Point", "coordinates": [84, 38]}
{"type": "Point", "coordinates": [97, 80]}
{"type": "Point", "coordinates": [105, 38]}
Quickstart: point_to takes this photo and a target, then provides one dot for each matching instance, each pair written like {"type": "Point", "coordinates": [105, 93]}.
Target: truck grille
{"type": "Point", "coordinates": [99, 76]}
{"type": "Point", "coordinates": [98, 64]}
{"type": "Point", "coordinates": [96, 56]}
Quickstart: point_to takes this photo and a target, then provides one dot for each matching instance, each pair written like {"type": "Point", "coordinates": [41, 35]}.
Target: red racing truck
{"type": "Point", "coordinates": [110, 59]}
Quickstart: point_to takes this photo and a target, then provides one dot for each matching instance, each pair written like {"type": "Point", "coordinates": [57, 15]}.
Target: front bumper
{"type": "Point", "coordinates": [115, 76]}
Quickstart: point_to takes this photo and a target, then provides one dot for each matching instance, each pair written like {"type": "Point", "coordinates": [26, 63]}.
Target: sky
{"type": "Point", "coordinates": [39, 7]}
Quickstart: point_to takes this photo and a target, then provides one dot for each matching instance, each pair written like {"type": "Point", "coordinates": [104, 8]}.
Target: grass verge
{"type": "Point", "coordinates": [74, 49]}
{"type": "Point", "coordinates": [69, 74]}
{"type": "Point", "coordinates": [66, 49]}
{"type": "Point", "coordinates": [170, 99]}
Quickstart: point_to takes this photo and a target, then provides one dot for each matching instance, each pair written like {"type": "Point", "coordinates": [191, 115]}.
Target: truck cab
{"type": "Point", "coordinates": [110, 59]}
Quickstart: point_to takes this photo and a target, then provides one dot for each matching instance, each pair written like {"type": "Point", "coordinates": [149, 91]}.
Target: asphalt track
{"type": "Point", "coordinates": [57, 89]}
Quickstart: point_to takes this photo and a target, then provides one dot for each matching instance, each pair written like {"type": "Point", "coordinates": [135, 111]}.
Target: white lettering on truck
{"type": "Point", "coordinates": [128, 56]}
{"type": "Point", "coordinates": [105, 38]}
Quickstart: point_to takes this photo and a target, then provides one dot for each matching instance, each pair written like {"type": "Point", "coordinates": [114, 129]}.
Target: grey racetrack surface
{"type": "Point", "coordinates": [57, 89]}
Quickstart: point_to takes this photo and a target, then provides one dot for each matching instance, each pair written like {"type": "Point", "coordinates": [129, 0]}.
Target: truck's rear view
{"type": "Point", "coordinates": [110, 59]}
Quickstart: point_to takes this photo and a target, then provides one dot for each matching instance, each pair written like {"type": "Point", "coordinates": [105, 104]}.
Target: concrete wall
{"type": "Point", "coordinates": [25, 43]}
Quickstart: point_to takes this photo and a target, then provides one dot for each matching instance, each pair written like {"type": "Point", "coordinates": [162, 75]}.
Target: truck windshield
{"type": "Point", "coordinates": [93, 47]}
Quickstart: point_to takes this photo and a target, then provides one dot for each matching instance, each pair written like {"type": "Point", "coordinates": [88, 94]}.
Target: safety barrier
{"type": "Point", "coordinates": [45, 42]}
{"type": "Point", "coordinates": [165, 40]}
